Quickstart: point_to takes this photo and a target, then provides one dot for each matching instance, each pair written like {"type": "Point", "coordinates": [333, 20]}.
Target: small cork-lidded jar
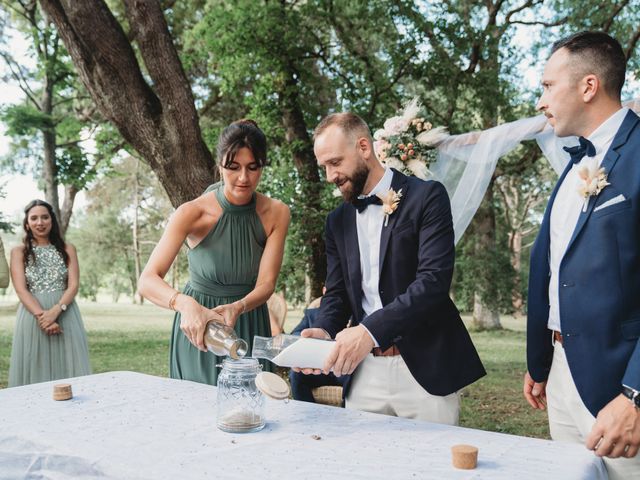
{"type": "Point", "coordinates": [464, 456]}
{"type": "Point", "coordinates": [62, 391]}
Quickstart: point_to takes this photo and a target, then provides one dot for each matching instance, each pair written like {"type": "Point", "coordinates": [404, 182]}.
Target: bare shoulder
{"type": "Point", "coordinates": [17, 252]}
{"type": "Point", "coordinates": [194, 211]}
{"type": "Point", "coordinates": [272, 212]}
{"type": "Point", "coordinates": [69, 248]}
{"type": "Point", "coordinates": [272, 207]}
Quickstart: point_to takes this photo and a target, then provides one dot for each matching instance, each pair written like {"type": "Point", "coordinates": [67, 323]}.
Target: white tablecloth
{"type": "Point", "coordinates": [130, 425]}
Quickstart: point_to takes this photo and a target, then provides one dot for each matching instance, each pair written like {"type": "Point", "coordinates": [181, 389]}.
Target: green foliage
{"type": "Point", "coordinates": [55, 104]}
{"type": "Point", "coordinates": [281, 181]}
{"type": "Point", "coordinates": [25, 120]}
{"type": "Point", "coordinates": [103, 234]}
{"type": "Point", "coordinates": [259, 59]}
{"type": "Point", "coordinates": [5, 225]}
{"type": "Point", "coordinates": [487, 272]}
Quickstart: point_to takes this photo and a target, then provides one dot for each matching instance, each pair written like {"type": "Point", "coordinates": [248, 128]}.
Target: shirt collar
{"type": "Point", "coordinates": [603, 135]}
{"type": "Point", "coordinates": [384, 184]}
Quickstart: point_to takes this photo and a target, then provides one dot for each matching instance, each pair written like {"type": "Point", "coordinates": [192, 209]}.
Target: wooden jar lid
{"type": "Point", "coordinates": [272, 385]}
{"type": "Point", "coordinates": [62, 391]}
{"type": "Point", "coordinates": [465, 456]}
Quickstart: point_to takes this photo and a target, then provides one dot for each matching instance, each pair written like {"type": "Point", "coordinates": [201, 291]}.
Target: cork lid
{"type": "Point", "coordinates": [272, 385]}
{"type": "Point", "coordinates": [62, 391]}
{"type": "Point", "coordinates": [464, 456]}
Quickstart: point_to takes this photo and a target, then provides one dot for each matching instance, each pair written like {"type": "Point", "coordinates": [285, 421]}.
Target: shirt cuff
{"type": "Point", "coordinates": [375, 342]}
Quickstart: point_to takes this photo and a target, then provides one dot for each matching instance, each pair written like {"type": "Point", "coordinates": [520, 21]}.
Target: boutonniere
{"type": "Point", "coordinates": [390, 201]}
{"type": "Point", "coordinates": [594, 179]}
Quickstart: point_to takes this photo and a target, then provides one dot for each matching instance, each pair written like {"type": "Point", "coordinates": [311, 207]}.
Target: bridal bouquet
{"type": "Point", "coordinates": [407, 142]}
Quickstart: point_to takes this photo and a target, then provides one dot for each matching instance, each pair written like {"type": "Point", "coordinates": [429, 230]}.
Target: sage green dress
{"type": "Point", "coordinates": [223, 268]}
{"type": "Point", "coordinates": [36, 356]}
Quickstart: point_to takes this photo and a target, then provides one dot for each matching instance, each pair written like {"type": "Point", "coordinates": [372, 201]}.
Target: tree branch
{"type": "Point", "coordinates": [632, 43]}
{"type": "Point", "coordinates": [524, 6]}
{"type": "Point", "coordinates": [19, 76]}
{"type": "Point", "coordinates": [557, 23]}
{"type": "Point", "coordinates": [607, 26]}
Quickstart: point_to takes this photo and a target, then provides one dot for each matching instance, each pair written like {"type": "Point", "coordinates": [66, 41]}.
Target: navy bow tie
{"type": "Point", "coordinates": [362, 203]}
{"type": "Point", "coordinates": [579, 151]}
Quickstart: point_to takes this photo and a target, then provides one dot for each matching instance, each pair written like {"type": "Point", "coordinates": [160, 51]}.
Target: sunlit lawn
{"type": "Point", "coordinates": [130, 337]}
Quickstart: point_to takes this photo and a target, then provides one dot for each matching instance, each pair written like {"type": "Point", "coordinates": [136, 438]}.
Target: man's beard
{"type": "Point", "coordinates": [357, 181]}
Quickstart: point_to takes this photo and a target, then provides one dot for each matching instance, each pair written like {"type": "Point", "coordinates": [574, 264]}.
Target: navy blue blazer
{"type": "Point", "coordinates": [599, 283]}
{"type": "Point", "coordinates": [416, 266]}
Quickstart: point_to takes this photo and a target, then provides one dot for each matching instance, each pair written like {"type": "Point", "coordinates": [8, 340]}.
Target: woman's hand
{"type": "Point", "coordinates": [53, 329]}
{"type": "Point", "coordinates": [48, 317]}
{"type": "Point", "coordinates": [193, 320]}
{"type": "Point", "coordinates": [229, 313]}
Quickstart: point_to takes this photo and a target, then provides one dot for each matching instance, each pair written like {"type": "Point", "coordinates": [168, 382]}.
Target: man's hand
{"type": "Point", "coordinates": [616, 432]}
{"type": "Point", "coordinates": [352, 346]}
{"type": "Point", "coordinates": [535, 393]}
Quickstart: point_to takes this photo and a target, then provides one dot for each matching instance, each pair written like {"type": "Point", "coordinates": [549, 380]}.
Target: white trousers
{"type": "Point", "coordinates": [385, 385]}
{"type": "Point", "coordinates": [571, 421]}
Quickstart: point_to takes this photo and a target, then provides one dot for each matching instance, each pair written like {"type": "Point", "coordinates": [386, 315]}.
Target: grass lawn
{"type": "Point", "coordinates": [131, 337]}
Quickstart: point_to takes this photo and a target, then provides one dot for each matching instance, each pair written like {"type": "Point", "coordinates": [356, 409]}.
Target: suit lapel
{"type": "Point", "coordinates": [397, 182]}
{"type": "Point", "coordinates": [353, 251]}
{"type": "Point", "coordinates": [608, 163]}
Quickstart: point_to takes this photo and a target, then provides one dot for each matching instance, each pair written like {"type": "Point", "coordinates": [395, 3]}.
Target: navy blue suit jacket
{"type": "Point", "coordinates": [416, 266]}
{"type": "Point", "coordinates": [599, 283]}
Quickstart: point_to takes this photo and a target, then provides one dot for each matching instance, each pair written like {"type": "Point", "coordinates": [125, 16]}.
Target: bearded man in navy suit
{"type": "Point", "coordinates": [583, 326]}
{"type": "Point", "coordinates": [390, 270]}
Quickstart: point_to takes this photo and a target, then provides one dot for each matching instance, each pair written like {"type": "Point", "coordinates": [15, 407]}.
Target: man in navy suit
{"type": "Point", "coordinates": [391, 273]}
{"type": "Point", "coordinates": [583, 325]}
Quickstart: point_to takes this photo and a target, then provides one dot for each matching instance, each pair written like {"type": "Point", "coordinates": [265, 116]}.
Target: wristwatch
{"type": "Point", "coordinates": [63, 306]}
{"type": "Point", "coordinates": [632, 394]}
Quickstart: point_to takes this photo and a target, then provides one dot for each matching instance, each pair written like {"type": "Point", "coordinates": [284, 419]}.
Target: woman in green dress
{"type": "Point", "coordinates": [236, 239]}
{"type": "Point", "coordinates": [49, 340]}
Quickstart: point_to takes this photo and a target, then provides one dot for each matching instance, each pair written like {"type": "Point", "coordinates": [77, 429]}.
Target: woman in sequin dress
{"type": "Point", "coordinates": [49, 340]}
{"type": "Point", "coordinates": [236, 244]}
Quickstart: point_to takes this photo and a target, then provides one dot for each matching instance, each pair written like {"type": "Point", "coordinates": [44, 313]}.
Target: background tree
{"type": "Point", "coordinates": [157, 117]}
{"type": "Point", "coordinates": [125, 216]}
{"type": "Point", "coordinates": [288, 63]}
{"type": "Point", "coordinates": [46, 129]}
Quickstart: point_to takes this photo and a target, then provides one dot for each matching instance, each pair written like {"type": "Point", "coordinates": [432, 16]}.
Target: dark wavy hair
{"type": "Point", "coordinates": [241, 134]}
{"type": "Point", "coordinates": [54, 235]}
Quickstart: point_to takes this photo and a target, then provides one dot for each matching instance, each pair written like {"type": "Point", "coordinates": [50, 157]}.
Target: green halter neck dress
{"type": "Point", "coordinates": [223, 268]}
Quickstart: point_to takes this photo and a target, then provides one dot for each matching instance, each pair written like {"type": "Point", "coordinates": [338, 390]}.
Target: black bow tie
{"type": "Point", "coordinates": [579, 151]}
{"type": "Point", "coordinates": [362, 203]}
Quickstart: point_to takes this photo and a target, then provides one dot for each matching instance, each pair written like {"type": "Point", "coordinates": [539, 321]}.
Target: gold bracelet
{"type": "Point", "coordinates": [244, 305]}
{"type": "Point", "coordinates": [172, 301]}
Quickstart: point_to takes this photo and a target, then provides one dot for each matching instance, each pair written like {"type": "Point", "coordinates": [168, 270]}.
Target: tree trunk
{"type": "Point", "coordinates": [485, 317]}
{"type": "Point", "coordinates": [161, 123]}
{"type": "Point", "coordinates": [517, 301]}
{"type": "Point", "coordinates": [137, 298]}
{"type": "Point", "coordinates": [305, 161]}
{"type": "Point", "coordinates": [49, 169]}
{"type": "Point", "coordinates": [70, 192]}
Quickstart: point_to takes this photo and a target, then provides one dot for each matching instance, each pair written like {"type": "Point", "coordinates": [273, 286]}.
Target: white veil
{"type": "Point", "coordinates": [466, 162]}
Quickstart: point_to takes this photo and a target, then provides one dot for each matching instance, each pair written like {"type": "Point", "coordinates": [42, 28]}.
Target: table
{"type": "Point", "coordinates": [129, 425]}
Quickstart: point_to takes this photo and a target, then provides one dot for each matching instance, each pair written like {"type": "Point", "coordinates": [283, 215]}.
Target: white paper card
{"type": "Point", "coordinates": [305, 353]}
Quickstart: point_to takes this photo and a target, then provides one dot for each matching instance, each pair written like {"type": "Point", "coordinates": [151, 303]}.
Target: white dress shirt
{"type": "Point", "coordinates": [369, 227]}
{"type": "Point", "coordinates": [567, 208]}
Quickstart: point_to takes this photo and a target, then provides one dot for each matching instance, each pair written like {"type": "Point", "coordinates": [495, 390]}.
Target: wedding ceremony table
{"type": "Point", "coordinates": [126, 425]}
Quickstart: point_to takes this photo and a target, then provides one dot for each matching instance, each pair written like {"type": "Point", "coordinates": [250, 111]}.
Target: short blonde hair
{"type": "Point", "coordinates": [350, 123]}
